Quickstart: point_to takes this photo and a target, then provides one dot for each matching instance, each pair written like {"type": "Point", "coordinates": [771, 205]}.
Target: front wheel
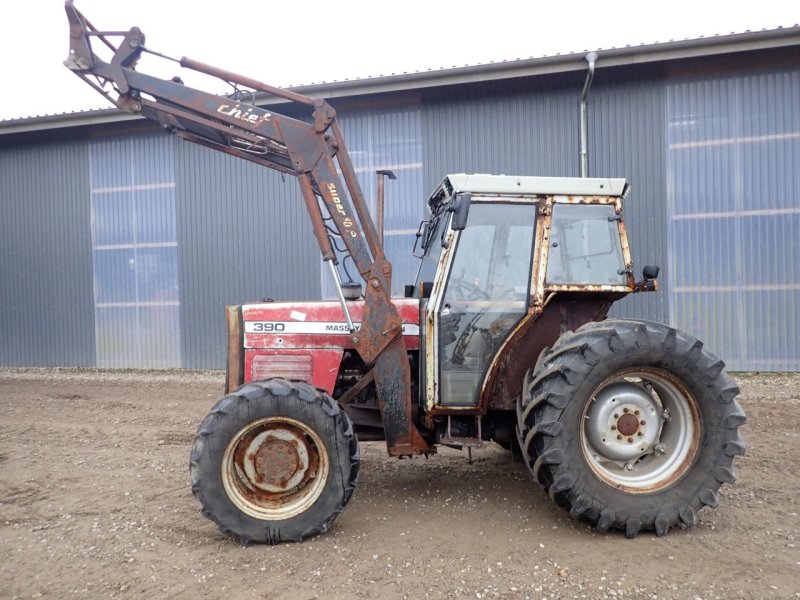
{"type": "Point", "coordinates": [274, 461]}
{"type": "Point", "coordinates": [631, 425]}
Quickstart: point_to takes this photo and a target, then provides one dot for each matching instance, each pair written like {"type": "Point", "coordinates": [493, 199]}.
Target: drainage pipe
{"type": "Point", "coordinates": [591, 58]}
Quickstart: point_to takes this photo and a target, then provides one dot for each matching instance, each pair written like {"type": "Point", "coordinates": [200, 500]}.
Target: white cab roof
{"type": "Point", "coordinates": [505, 185]}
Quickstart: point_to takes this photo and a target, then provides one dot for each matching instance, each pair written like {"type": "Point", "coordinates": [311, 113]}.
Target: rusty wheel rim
{"type": "Point", "coordinates": [640, 430]}
{"type": "Point", "coordinates": [275, 468]}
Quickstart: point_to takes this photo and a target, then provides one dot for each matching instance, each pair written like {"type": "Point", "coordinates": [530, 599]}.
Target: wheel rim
{"type": "Point", "coordinates": [275, 468]}
{"type": "Point", "coordinates": [641, 430]}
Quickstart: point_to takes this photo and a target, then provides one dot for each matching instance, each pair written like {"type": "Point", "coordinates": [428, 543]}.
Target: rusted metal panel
{"type": "Point", "coordinates": [393, 387]}
{"type": "Point", "coordinates": [381, 321]}
{"type": "Point", "coordinates": [234, 376]}
{"type": "Point", "coordinates": [503, 383]}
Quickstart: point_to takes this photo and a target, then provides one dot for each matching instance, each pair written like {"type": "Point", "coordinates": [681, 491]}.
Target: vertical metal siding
{"type": "Point", "coordinates": [512, 128]}
{"type": "Point", "coordinates": [734, 214]}
{"type": "Point", "coordinates": [46, 309]}
{"type": "Point", "coordinates": [243, 235]}
{"type": "Point", "coordinates": [627, 138]}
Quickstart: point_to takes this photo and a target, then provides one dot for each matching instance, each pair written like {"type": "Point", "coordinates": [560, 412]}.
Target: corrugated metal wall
{"type": "Point", "coordinates": [243, 235]}
{"type": "Point", "coordinates": [504, 127]}
{"type": "Point", "coordinates": [734, 214]}
{"type": "Point", "coordinates": [711, 155]}
{"type": "Point", "coordinates": [627, 139]}
{"type": "Point", "coordinates": [46, 304]}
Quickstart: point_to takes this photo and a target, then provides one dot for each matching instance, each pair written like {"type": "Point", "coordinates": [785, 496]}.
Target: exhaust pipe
{"type": "Point", "coordinates": [591, 58]}
{"type": "Point", "coordinates": [382, 173]}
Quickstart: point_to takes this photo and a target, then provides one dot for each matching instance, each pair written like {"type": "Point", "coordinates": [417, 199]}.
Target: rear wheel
{"type": "Point", "coordinates": [631, 425]}
{"type": "Point", "coordinates": [274, 461]}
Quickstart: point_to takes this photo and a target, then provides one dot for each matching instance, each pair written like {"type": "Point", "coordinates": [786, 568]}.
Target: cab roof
{"type": "Point", "coordinates": [511, 185]}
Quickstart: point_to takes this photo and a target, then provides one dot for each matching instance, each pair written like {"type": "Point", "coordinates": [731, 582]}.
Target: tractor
{"type": "Point", "coordinates": [504, 335]}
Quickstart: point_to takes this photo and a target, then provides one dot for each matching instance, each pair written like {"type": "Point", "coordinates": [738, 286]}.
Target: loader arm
{"type": "Point", "coordinates": [311, 151]}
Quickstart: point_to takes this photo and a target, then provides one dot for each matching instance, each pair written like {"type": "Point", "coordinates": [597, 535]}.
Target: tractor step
{"type": "Point", "coordinates": [448, 439]}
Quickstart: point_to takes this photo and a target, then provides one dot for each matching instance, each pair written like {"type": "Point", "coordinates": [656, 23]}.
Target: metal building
{"type": "Point", "coordinates": [120, 246]}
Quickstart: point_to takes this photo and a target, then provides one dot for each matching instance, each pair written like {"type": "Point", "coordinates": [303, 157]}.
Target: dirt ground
{"type": "Point", "coordinates": [95, 503]}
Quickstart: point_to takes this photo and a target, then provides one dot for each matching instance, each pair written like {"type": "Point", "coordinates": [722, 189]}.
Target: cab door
{"type": "Point", "coordinates": [485, 295]}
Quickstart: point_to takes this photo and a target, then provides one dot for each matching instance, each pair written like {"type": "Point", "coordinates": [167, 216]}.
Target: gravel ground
{"type": "Point", "coordinates": [95, 503]}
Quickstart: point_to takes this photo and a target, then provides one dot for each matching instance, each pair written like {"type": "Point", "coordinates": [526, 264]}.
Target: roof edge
{"type": "Point", "coordinates": [560, 63]}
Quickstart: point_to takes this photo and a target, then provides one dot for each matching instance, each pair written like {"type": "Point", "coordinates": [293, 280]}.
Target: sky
{"type": "Point", "coordinates": [292, 43]}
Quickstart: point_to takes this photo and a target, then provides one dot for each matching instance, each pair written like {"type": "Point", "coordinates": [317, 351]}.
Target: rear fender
{"type": "Point", "coordinates": [518, 353]}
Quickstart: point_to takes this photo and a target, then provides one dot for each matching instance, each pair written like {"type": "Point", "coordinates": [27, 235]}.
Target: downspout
{"type": "Point", "coordinates": [591, 58]}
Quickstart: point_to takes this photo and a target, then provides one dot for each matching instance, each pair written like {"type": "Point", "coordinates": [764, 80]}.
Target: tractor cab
{"type": "Point", "coordinates": [493, 250]}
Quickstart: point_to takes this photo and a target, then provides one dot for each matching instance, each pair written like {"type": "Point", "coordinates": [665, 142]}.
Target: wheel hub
{"type": "Point", "coordinates": [627, 424]}
{"type": "Point", "coordinates": [623, 422]}
{"type": "Point", "coordinates": [276, 461]}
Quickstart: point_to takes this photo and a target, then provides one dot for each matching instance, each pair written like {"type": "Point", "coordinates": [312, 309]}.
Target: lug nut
{"type": "Point", "coordinates": [636, 412]}
{"type": "Point", "coordinates": [616, 416]}
{"type": "Point", "coordinates": [625, 409]}
{"type": "Point", "coordinates": [642, 422]}
{"type": "Point", "coordinates": [613, 428]}
{"type": "Point", "coordinates": [619, 437]}
{"type": "Point", "coordinates": [630, 440]}
{"type": "Point", "coordinates": [640, 434]}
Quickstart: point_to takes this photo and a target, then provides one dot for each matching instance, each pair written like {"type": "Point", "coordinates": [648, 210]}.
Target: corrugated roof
{"type": "Point", "coordinates": [494, 70]}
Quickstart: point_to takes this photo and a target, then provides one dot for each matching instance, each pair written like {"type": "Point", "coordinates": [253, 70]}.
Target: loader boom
{"type": "Point", "coordinates": [314, 152]}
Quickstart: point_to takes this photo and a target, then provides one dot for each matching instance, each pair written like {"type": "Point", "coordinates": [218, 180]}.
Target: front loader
{"type": "Point", "coordinates": [503, 335]}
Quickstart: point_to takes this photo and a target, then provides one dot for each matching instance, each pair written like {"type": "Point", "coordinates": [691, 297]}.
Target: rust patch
{"type": "Point", "coordinates": [503, 383]}
{"type": "Point", "coordinates": [234, 376]}
{"type": "Point", "coordinates": [276, 461]}
{"type": "Point", "coordinates": [627, 424]}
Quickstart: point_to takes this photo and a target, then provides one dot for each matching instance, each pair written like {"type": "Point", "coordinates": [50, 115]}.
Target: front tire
{"type": "Point", "coordinates": [274, 461]}
{"type": "Point", "coordinates": [631, 425]}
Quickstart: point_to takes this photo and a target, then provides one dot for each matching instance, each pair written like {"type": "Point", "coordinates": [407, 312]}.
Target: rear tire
{"type": "Point", "coordinates": [630, 425]}
{"type": "Point", "coordinates": [274, 461]}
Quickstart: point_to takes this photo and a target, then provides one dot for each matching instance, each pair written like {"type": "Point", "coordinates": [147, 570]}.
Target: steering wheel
{"type": "Point", "coordinates": [467, 290]}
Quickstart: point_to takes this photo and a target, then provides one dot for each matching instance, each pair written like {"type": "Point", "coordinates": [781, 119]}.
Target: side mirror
{"type": "Point", "coordinates": [460, 209]}
{"type": "Point", "coordinates": [650, 272]}
{"type": "Point", "coordinates": [423, 231]}
{"type": "Point", "coordinates": [648, 282]}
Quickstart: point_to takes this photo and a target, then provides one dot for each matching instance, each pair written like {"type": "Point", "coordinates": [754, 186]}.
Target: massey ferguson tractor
{"type": "Point", "coordinates": [629, 425]}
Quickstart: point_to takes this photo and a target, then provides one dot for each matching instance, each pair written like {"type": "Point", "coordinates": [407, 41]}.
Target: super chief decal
{"type": "Point", "coordinates": [347, 222]}
{"type": "Point", "coordinates": [320, 327]}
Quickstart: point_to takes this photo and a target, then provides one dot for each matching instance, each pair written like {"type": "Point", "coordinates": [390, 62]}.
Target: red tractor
{"type": "Point", "coordinates": [503, 336]}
